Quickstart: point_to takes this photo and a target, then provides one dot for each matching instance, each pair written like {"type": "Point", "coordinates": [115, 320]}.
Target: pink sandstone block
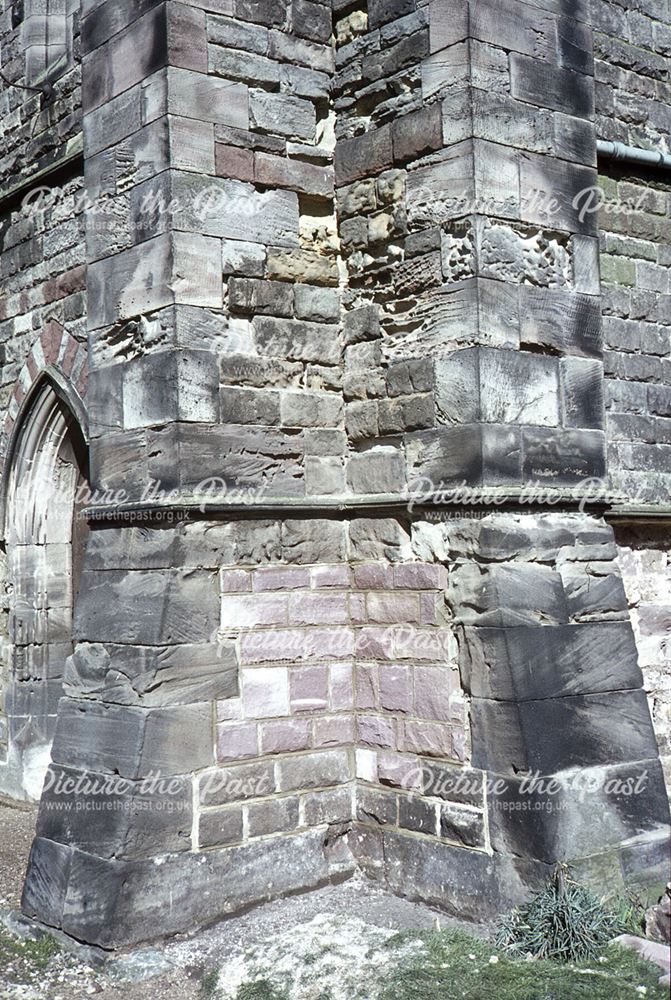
{"type": "Point", "coordinates": [235, 581]}
{"type": "Point", "coordinates": [319, 609]}
{"type": "Point", "coordinates": [430, 738]}
{"type": "Point", "coordinates": [285, 736]}
{"type": "Point", "coordinates": [237, 742]}
{"type": "Point", "coordinates": [372, 576]}
{"type": "Point", "coordinates": [429, 605]}
{"type": "Point", "coordinates": [392, 608]}
{"type": "Point", "coordinates": [341, 686]}
{"type": "Point", "coordinates": [329, 576]}
{"type": "Point", "coordinates": [309, 689]}
{"type": "Point", "coordinates": [366, 686]}
{"type": "Point", "coordinates": [399, 771]}
{"type": "Point", "coordinates": [420, 576]}
{"type": "Point", "coordinates": [436, 645]}
{"type": "Point", "coordinates": [432, 693]}
{"type": "Point", "coordinates": [229, 710]}
{"type": "Point", "coordinates": [248, 610]}
{"type": "Point", "coordinates": [357, 608]}
{"type": "Point", "coordinates": [375, 644]}
{"type": "Point", "coordinates": [284, 578]}
{"type": "Point", "coordinates": [337, 730]}
{"type": "Point", "coordinates": [376, 731]}
{"type": "Point", "coordinates": [265, 692]}
{"type": "Point", "coordinates": [395, 688]}
{"type": "Point", "coordinates": [271, 645]}
{"type": "Point", "coordinates": [335, 643]}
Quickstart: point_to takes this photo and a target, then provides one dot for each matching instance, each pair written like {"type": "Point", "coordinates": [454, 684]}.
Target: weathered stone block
{"type": "Point", "coordinates": [561, 321]}
{"type": "Point", "coordinates": [507, 595]}
{"type": "Point", "coordinates": [282, 114]}
{"type": "Point", "coordinates": [275, 816]}
{"type": "Point", "coordinates": [582, 393]}
{"type": "Point", "coordinates": [559, 733]}
{"type": "Point", "coordinates": [520, 664]}
{"type": "Point", "coordinates": [550, 86]}
{"type": "Point", "coordinates": [220, 827]}
{"type": "Point", "coordinates": [316, 770]}
{"type": "Point", "coordinates": [373, 806]}
{"type": "Point", "coordinates": [566, 457]}
{"type": "Point", "coordinates": [109, 816]}
{"type": "Point", "coordinates": [462, 826]}
{"type": "Point", "coordinates": [133, 742]}
{"type": "Point", "coordinates": [152, 606]}
{"type": "Point", "coordinates": [234, 210]}
{"type": "Point", "coordinates": [594, 592]}
{"type": "Point", "coordinates": [313, 541]}
{"type": "Point", "coordinates": [622, 802]}
{"type": "Point", "coordinates": [378, 470]}
{"type": "Point", "coordinates": [297, 340]}
{"type": "Point", "coordinates": [417, 814]}
{"type": "Point", "coordinates": [221, 786]}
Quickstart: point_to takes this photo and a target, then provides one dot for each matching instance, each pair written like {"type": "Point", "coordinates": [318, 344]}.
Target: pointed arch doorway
{"type": "Point", "coordinates": [45, 488]}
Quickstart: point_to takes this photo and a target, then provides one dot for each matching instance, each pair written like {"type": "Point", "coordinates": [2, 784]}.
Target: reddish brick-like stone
{"type": "Point", "coordinates": [265, 692]}
{"type": "Point", "coordinates": [236, 742]}
{"type": "Point", "coordinates": [335, 730]}
{"type": "Point", "coordinates": [319, 609]}
{"type": "Point", "coordinates": [395, 688]}
{"type": "Point", "coordinates": [372, 576]}
{"type": "Point", "coordinates": [285, 736]}
{"type": "Point", "coordinates": [233, 162]}
{"type": "Point", "coordinates": [428, 608]}
{"type": "Point", "coordinates": [376, 731]}
{"type": "Point", "coordinates": [329, 643]}
{"type": "Point", "coordinates": [329, 576]}
{"type": "Point", "coordinates": [432, 693]}
{"type": "Point", "coordinates": [431, 738]}
{"type": "Point", "coordinates": [309, 689]}
{"type": "Point", "coordinates": [420, 576]}
{"type": "Point", "coordinates": [357, 608]}
{"type": "Point", "coordinates": [342, 695]}
{"type": "Point", "coordinates": [435, 645]}
{"type": "Point", "coordinates": [235, 581]}
{"type": "Point", "coordinates": [392, 608]}
{"type": "Point", "coordinates": [375, 644]}
{"type": "Point", "coordinates": [366, 686]}
{"type": "Point", "coordinates": [69, 357]}
{"type": "Point", "coordinates": [285, 578]}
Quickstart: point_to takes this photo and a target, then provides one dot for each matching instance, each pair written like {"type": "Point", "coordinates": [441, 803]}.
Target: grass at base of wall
{"type": "Point", "coordinates": [433, 965]}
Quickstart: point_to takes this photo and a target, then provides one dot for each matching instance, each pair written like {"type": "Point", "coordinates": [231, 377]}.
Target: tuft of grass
{"type": "Point", "coordinates": [37, 954]}
{"type": "Point", "coordinates": [260, 989]}
{"type": "Point", "coordinates": [208, 984]}
{"type": "Point", "coordinates": [564, 921]}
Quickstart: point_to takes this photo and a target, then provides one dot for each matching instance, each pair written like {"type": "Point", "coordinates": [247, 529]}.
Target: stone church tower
{"type": "Point", "coordinates": [336, 450]}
